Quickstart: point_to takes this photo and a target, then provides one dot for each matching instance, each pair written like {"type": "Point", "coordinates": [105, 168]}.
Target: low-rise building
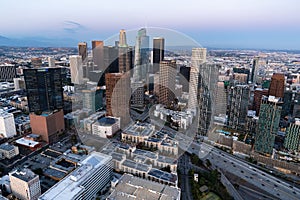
{"type": "Point", "coordinates": [131, 187]}
{"type": "Point", "coordinates": [8, 151]}
{"type": "Point", "coordinates": [106, 127]}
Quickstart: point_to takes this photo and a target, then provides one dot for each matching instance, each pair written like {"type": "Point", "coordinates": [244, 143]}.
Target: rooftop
{"type": "Point", "coordinates": [24, 174]}
{"type": "Point", "coordinates": [131, 187]}
{"type": "Point", "coordinates": [106, 121]}
{"type": "Point", "coordinates": [28, 143]}
{"type": "Point", "coordinates": [72, 184]}
{"type": "Point", "coordinates": [140, 129]}
{"type": "Point", "coordinates": [7, 147]}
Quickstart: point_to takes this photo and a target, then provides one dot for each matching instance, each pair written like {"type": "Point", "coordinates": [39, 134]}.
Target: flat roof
{"type": "Point", "coordinates": [24, 174]}
{"type": "Point", "coordinates": [106, 121]}
{"type": "Point", "coordinates": [71, 185]}
{"type": "Point", "coordinates": [131, 187]}
{"type": "Point", "coordinates": [7, 147]}
{"type": "Point", "coordinates": [25, 142]}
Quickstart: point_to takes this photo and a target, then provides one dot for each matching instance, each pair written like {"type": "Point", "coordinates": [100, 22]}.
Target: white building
{"type": "Point", "coordinates": [93, 174]}
{"type": "Point", "coordinates": [25, 184]}
{"type": "Point", "coordinates": [131, 187]}
{"type": "Point", "coordinates": [7, 124]}
{"type": "Point", "coordinates": [76, 69]}
{"type": "Point", "coordinates": [51, 62]}
{"type": "Point", "coordinates": [106, 127]}
{"type": "Point", "coordinates": [198, 57]}
{"type": "Point", "coordinates": [8, 151]}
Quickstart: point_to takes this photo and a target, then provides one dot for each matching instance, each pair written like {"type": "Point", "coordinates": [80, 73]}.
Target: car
{"type": "Point", "coordinates": [263, 174]}
{"type": "Point", "coordinates": [234, 166]}
{"type": "Point", "coordinates": [294, 192]}
{"type": "Point", "coordinates": [267, 180]}
{"type": "Point", "coordinates": [262, 184]}
{"type": "Point", "coordinates": [275, 185]}
{"type": "Point", "coordinates": [242, 171]}
{"type": "Point", "coordinates": [225, 161]}
{"type": "Point", "coordinates": [290, 186]}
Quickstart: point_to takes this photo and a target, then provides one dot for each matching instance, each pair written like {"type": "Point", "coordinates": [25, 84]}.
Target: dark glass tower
{"type": "Point", "coordinates": [44, 89]}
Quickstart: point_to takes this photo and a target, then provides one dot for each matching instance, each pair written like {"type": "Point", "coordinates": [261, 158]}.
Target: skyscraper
{"type": "Point", "coordinates": [82, 50]}
{"type": "Point", "coordinates": [118, 96]}
{"type": "Point", "coordinates": [254, 70]}
{"type": "Point", "coordinates": [277, 85]}
{"type": "Point", "coordinates": [198, 58]}
{"type": "Point", "coordinates": [125, 53]}
{"type": "Point", "coordinates": [44, 89]}
{"type": "Point", "coordinates": [76, 69]}
{"type": "Point", "coordinates": [268, 124]}
{"type": "Point", "coordinates": [25, 184]}
{"type": "Point", "coordinates": [167, 80]}
{"type": "Point", "coordinates": [141, 56]}
{"type": "Point", "coordinates": [258, 94]}
{"type": "Point", "coordinates": [292, 138]}
{"type": "Point", "coordinates": [158, 52]}
{"type": "Point", "coordinates": [238, 106]}
{"type": "Point", "coordinates": [220, 99]}
{"type": "Point", "coordinates": [98, 54]}
{"type": "Point", "coordinates": [122, 38]}
{"type": "Point", "coordinates": [7, 124]}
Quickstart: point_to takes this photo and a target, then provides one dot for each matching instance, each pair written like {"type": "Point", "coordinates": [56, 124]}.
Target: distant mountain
{"type": "Point", "coordinates": [37, 42]}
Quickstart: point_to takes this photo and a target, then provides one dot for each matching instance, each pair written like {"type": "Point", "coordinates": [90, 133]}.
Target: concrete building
{"type": "Point", "coordinates": [277, 85]}
{"type": "Point", "coordinates": [131, 187]}
{"type": "Point", "coordinates": [258, 94]}
{"type": "Point", "coordinates": [25, 184]}
{"type": "Point", "coordinates": [238, 106]}
{"type": "Point", "coordinates": [83, 51]}
{"type": "Point", "coordinates": [98, 54]}
{"type": "Point", "coordinates": [51, 62]}
{"type": "Point", "coordinates": [198, 58]}
{"type": "Point", "coordinates": [7, 124]}
{"type": "Point", "coordinates": [76, 68]}
{"type": "Point", "coordinates": [268, 124]}
{"type": "Point", "coordinates": [292, 138]}
{"type": "Point", "coordinates": [220, 99]}
{"type": "Point", "coordinates": [93, 175]}
{"type": "Point", "coordinates": [137, 132]}
{"type": "Point", "coordinates": [8, 151]}
{"type": "Point", "coordinates": [50, 125]}
{"type": "Point", "coordinates": [106, 127]}
{"type": "Point", "coordinates": [92, 99]}
{"type": "Point", "coordinates": [167, 81]}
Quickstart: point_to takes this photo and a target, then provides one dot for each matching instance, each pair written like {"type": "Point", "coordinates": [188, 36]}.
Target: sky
{"type": "Point", "coordinates": [268, 24]}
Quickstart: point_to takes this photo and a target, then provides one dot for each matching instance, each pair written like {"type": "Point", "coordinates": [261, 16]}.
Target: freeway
{"type": "Point", "coordinates": [227, 162]}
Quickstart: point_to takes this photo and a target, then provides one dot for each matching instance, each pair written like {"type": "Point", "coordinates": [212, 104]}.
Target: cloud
{"type": "Point", "coordinates": [73, 27]}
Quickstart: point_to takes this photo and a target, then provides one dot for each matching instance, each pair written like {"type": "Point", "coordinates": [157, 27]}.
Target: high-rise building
{"type": "Point", "coordinates": [93, 175]}
{"type": "Point", "coordinates": [258, 94]}
{"type": "Point", "coordinates": [255, 66]}
{"type": "Point", "coordinates": [220, 99]}
{"type": "Point", "coordinates": [76, 69]}
{"type": "Point", "coordinates": [98, 54]}
{"type": "Point", "coordinates": [277, 85]}
{"type": "Point", "coordinates": [137, 96]}
{"type": "Point", "coordinates": [167, 80]}
{"type": "Point", "coordinates": [198, 58]}
{"type": "Point", "coordinates": [7, 124]}
{"type": "Point", "coordinates": [238, 106]}
{"type": "Point", "coordinates": [122, 38]}
{"type": "Point", "coordinates": [158, 52]}
{"type": "Point", "coordinates": [82, 50]}
{"type": "Point", "coordinates": [8, 72]}
{"type": "Point", "coordinates": [92, 99]}
{"type": "Point", "coordinates": [141, 56]}
{"type": "Point", "coordinates": [111, 59]}
{"type": "Point", "coordinates": [184, 78]}
{"type": "Point", "coordinates": [25, 184]}
{"type": "Point", "coordinates": [44, 89]}
{"type": "Point", "coordinates": [51, 62]}
{"type": "Point", "coordinates": [207, 83]}
{"type": "Point", "coordinates": [118, 96]}
{"type": "Point", "coordinates": [36, 62]}
{"type": "Point", "coordinates": [49, 125]}
{"type": "Point", "coordinates": [292, 138]}
{"type": "Point", "coordinates": [242, 71]}
{"type": "Point", "coordinates": [268, 124]}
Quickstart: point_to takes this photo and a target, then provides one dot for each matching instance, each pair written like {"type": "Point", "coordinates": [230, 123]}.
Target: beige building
{"type": "Point", "coordinates": [25, 184]}
{"type": "Point", "coordinates": [8, 151]}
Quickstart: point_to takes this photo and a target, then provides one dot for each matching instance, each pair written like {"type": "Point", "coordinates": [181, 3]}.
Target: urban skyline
{"type": "Point", "coordinates": [216, 24]}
